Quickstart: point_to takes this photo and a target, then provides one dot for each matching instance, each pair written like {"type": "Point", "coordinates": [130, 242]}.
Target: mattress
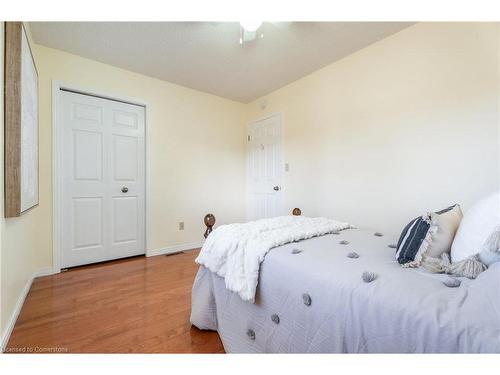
{"type": "Point", "coordinates": [311, 298]}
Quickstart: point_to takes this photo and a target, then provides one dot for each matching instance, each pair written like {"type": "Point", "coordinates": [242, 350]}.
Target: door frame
{"type": "Point", "coordinates": [57, 157]}
{"type": "Point", "coordinates": [247, 182]}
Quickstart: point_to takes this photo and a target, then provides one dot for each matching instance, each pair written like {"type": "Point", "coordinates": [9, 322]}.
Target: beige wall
{"type": "Point", "coordinates": [406, 125]}
{"type": "Point", "coordinates": [197, 157]}
{"type": "Point", "coordinates": [197, 163]}
{"type": "Point", "coordinates": [197, 149]}
{"type": "Point", "coordinates": [18, 245]}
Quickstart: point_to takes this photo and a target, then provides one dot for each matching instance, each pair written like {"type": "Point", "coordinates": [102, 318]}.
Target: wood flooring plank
{"type": "Point", "coordinates": [137, 305]}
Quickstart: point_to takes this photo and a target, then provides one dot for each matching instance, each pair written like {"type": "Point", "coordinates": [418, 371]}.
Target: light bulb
{"type": "Point", "coordinates": [250, 25]}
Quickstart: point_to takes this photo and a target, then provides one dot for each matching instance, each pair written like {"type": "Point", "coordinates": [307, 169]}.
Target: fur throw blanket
{"type": "Point", "coordinates": [235, 251]}
{"type": "Point", "coordinates": [472, 266]}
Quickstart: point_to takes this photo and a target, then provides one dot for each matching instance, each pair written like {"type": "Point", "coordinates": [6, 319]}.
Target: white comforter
{"type": "Point", "coordinates": [235, 251]}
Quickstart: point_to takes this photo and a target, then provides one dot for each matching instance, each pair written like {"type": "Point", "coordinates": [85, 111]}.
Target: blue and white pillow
{"type": "Point", "coordinates": [431, 234]}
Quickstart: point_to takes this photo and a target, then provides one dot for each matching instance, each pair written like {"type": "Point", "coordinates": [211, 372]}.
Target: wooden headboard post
{"type": "Point", "coordinates": [209, 222]}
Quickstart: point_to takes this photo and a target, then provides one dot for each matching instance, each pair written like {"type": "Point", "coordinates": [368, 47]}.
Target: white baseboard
{"type": "Point", "coordinates": [174, 249]}
{"type": "Point", "coordinates": [45, 271]}
{"type": "Point", "coordinates": [20, 302]}
{"type": "Point", "coordinates": [17, 309]}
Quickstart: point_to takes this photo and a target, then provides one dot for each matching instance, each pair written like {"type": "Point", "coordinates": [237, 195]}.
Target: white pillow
{"type": "Point", "coordinates": [478, 223]}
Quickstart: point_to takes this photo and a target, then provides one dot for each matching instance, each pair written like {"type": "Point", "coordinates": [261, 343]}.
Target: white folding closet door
{"type": "Point", "coordinates": [103, 189]}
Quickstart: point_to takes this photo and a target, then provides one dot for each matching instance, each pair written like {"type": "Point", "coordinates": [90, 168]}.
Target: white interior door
{"type": "Point", "coordinates": [103, 192]}
{"type": "Point", "coordinates": [264, 168]}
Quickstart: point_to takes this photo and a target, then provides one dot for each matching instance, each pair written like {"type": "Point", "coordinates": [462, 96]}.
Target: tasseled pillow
{"type": "Point", "coordinates": [428, 236]}
{"type": "Point", "coordinates": [437, 265]}
{"type": "Point", "coordinates": [470, 267]}
{"type": "Point", "coordinates": [490, 253]}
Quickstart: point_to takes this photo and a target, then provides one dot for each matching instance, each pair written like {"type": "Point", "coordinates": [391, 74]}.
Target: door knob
{"type": "Point", "coordinates": [124, 189]}
{"type": "Point", "coordinates": [276, 188]}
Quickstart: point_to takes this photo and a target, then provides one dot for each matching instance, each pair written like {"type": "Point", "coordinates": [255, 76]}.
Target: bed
{"type": "Point", "coordinates": [312, 297]}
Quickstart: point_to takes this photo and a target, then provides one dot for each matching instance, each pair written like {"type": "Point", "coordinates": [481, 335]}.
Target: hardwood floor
{"type": "Point", "coordinates": [136, 305]}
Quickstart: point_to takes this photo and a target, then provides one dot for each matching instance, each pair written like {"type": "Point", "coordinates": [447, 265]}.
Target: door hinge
{"type": "Point", "coordinates": [248, 138]}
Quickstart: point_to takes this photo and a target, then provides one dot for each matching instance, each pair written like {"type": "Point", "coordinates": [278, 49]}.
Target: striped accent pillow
{"type": "Point", "coordinates": [415, 239]}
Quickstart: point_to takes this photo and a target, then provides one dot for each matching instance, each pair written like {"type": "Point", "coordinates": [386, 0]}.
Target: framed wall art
{"type": "Point", "coordinates": [21, 122]}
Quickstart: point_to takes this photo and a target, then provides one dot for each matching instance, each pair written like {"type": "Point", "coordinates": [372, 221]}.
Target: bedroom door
{"type": "Point", "coordinates": [103, 188]}
{"type": "Point", "coordinates": [264, 168]}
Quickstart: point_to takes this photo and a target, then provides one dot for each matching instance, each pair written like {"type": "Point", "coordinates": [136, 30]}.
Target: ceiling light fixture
{"type": "Point", "coordinates": [250, 25]}
{"type": "Point", "coordinates": [248, 30]}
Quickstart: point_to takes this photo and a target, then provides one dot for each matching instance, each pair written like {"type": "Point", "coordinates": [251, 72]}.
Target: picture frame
{"type": "Point", "coordinates": [21, 123]}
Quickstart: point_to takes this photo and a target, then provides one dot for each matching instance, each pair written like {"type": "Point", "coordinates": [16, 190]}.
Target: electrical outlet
{"type": "Point", "coordinates": [287, 167]}
{"type": "Point", "coordinates": [181, 225]}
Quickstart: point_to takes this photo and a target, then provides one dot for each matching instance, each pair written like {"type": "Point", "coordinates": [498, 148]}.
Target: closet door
{"type": "Point", "coordinates": [103, 179]}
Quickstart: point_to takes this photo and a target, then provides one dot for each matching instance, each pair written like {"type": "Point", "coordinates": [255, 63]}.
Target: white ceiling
{"type": "Point", "coordinates": [207, 56]}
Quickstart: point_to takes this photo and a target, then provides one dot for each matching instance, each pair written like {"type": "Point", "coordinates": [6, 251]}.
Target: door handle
{"type": "Point", "coordinates": [276, 188]}
{"type": "Point", "coordinates": [124, 189]}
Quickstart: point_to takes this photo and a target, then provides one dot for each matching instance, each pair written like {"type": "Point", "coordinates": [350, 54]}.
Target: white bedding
{"type": "Point", "coordinates": [235, 251]}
